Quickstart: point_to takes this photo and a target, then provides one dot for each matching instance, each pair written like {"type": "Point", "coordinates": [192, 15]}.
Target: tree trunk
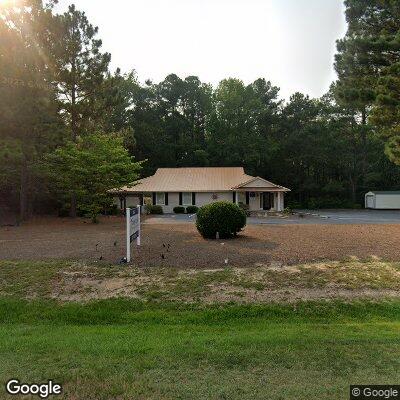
{"type": "Point", "coordinates": [353, 190]}
{"type": "Point", "coordinates": [72, 210]}
{"type": "Point", "coordinates": [74, 134]}
{"type": "Point", "coordinates": [364, 144]}
{"type": "Point", "coordinates": [23, 208]}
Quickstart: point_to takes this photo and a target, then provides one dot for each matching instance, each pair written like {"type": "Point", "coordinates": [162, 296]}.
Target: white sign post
{"type": "Point", "coordinates": [132, 229]}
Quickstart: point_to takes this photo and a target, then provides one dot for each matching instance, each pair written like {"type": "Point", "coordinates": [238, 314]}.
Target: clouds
{"type": "Point", "coordinates": [290, 42]}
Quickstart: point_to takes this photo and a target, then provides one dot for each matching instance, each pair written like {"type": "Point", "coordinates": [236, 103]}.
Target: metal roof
{"type": "Point", "coordinates": [196, 179]}
{"type": "Point", "coordinates": [385, 191]}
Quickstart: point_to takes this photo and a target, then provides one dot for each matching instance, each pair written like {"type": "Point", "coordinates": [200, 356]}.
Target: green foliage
{"type": "Point", "coordinates": [179, 210]}
{"type": "Point", "coordinates": [169, 120]}
{"type": "Point", "coordinates": [89, 168]}
{"type": "Point", "coordinates": [79, 71]}
{"type": "Point", "coordinates": [157, 210]}
{"type": "Point", "coordinates": [368, 66]}
{"type": "Point", "coordinates": [192, 209]}
{"type": "Point", "coordinates": [154, 209]}
{"type": "Point", "coordinates": [393, 149]}
{"type": "Point", "coordinates": [245, 208]}
{"type": "Point", "coordinates": [30, 125]}
{"type": "Point", "coordinates": [329, 202]}
{"type": "Point", "coordinates": [242, 123]}
{"type": "Point", "coordinates": [224, 218]}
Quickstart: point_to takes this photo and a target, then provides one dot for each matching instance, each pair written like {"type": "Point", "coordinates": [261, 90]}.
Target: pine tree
{"type": "Point", "coordinates": [79, 69]}
{"type": "Point", "coordinates": [367, 65]}
{"type": "Point", "coordinates": [28, 111]}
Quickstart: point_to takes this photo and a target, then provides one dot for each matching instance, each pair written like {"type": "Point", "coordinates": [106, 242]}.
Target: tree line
{"type": "Point", "coordinates": [70, 128]}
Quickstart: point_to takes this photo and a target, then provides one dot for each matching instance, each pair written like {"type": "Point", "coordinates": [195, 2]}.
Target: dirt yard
{"type": "Point", "coordinates": [179, 245]}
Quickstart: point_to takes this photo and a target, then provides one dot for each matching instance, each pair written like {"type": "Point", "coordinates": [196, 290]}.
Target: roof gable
{"type": "Point", "coordinates": [259, 182]}
{"type": "Point", "coordinates": [256, 183]}
{"type": "Point", "coordinates": [197, 179]}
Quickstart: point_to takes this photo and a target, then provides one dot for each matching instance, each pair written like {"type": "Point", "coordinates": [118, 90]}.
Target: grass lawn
{"type": "Point", "coordinates": [125, 349]}
{"type": "Point", "coordinates": [179, 346]}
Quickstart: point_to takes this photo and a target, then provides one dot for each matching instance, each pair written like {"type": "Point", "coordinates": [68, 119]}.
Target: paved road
{"type": "Point", "coordinates": [302, 217]}
{"type": "Point", "coordinates": [354, 216]}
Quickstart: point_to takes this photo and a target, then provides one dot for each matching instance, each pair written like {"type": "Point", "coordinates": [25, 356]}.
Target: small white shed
{"type": "Point", "coordinates": [383, 200]}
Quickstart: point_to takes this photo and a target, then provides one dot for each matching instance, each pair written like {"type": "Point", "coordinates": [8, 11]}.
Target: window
{"type": "Point", "coordinates": [160, 199]}
{"type": "Point", "coordinates": [187, 199]}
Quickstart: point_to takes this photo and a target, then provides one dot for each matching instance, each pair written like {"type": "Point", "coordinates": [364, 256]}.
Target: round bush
{"type": "Point", "coordinates": [192, 209]}
{"type": "Point", "coordinates": [226, 218]}
{"type": "Point", "coordinates": [179, 210]}
{"type": "Point", "coordinates": [154, 209]}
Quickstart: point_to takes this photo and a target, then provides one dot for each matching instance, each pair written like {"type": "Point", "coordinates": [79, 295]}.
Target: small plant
{"type": "Point", "coordinates": [288, 211]}
{"type": "Point", "coordinates": [224, 218]}
{"type": "Point", "coordinates": [179, 210]}
{"type": "Point", "coordinates": [156, 210]}
{"type": "Point", "coordinates": [153, 209]}
{"type": "Point", "coordinates": [192, 209]}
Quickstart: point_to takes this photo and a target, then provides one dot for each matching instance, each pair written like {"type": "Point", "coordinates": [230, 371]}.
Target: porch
{"type": "Point", "coordinates": [260, 200]}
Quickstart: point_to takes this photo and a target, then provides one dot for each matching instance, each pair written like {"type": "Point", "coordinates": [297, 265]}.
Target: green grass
{"type": "Point", "coordinates": [155, 348]}
{"type": "Point", "coordinates": [125, 349]}
{"type": "Point", "coordinates": [28, 278]}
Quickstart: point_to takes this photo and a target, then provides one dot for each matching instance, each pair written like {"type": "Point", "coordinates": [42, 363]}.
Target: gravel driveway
{"type": "Point", "coordinates": [180, 245]}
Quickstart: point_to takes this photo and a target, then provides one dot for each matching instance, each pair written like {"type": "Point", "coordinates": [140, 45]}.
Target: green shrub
{"type": "Point", "coordinates": [223, 217]}
{"type": "Point", "coordinates": [192, 209]}
{"type": "Point", "coordinates": [330, 202]}
{"type": "Point", "coordinates": [157, 210]}
{"type": "Point", "coordinates": [179, 210]}
{"type": "Point", "coordinates": [294, 205]}
{"type": "Point", "coordinates": [245, 208]}
{"type": "Point", "coordinates": [153, 209]}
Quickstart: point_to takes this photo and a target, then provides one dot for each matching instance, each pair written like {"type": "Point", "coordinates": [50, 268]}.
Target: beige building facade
{"type": "Point", "coordinates": [172, 187]}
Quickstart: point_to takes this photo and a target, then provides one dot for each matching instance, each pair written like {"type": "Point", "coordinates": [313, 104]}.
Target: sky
{"type": "Point", "coordinates": [289, 42]}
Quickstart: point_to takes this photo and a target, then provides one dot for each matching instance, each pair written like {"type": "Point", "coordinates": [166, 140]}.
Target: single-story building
{"type": "Point", "coordinates": [171, 187]}
{"type": "Point", "coordinates": [383, 200]}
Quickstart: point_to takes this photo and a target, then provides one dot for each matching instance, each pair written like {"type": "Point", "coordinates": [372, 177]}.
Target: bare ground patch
{"type": "Point", "coordinates": [350, 279]}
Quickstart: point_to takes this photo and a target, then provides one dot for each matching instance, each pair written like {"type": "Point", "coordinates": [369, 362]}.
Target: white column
{"type": "Point", "coordinates": [280, 202]}
{"type": "Point", "coordinates": [237, 198]}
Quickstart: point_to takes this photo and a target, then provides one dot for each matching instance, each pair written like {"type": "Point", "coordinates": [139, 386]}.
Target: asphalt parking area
{"type": "Point", "coordinates": [341, 217]}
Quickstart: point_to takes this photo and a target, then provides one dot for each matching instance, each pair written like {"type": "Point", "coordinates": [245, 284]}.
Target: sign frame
{"type": "Point", "coordinates": [133, 230]}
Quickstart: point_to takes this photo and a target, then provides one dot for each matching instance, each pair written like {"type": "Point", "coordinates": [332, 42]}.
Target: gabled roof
{"type": "Point", "coordinates": [196, 179]}
{"type": "Point", "coordinates": [384, 192]}
{"type": "Point", "coordinates": [258, 182]}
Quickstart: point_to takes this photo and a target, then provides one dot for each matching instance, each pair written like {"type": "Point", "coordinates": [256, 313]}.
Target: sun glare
{"type": "Point", "coordinates": [7, 3]}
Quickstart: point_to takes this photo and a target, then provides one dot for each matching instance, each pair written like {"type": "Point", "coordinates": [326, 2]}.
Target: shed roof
{"type": "Point", "coordinates": [194, 179]}
{"type": "Point", "coordinates": [384, 192]}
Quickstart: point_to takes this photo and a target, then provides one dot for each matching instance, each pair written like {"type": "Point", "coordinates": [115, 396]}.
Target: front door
{"type": "Point", "coordinates": [268, 201]}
